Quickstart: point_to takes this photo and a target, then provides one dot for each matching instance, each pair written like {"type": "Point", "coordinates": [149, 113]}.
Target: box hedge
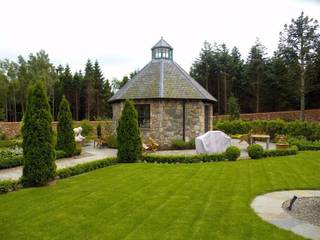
{"type": "Point", "coordinates": [309, 130]}
{"type": "Point", "coordinates": [86, 167]}
{"type": "Point", "coordinates": [196, 158]}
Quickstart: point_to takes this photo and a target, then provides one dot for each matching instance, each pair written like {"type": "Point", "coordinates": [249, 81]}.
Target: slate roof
{"type": "Point", "coordinates": [162, 79]}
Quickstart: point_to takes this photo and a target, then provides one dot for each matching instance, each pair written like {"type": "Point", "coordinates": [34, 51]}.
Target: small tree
{"type": "Point", "coordinates": [65, 138]}
{"type": "Point", "coordinates": [128, 135]}
{"type": "Point", "coordinates": [38, 150]}
{"type": "Point", "coordinates": [233, 107]}
{"type": "Point", "coordinates": [99, 134]}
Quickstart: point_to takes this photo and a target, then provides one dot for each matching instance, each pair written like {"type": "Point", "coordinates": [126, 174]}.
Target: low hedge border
{"type": "Point", "coordinates": [17, 160]}
{"type": "Point", "coordinates": [197, 158]}
{"type": "Point", "coordinates": [277, 153]}
{"type": "Point", "coordinates": [13, 185]}
{"type": "Point", "coordinates": [9, 186]}
{"type": "Point", "coordinates": [9, 143]}
{"type": "Point", "coordinates": [305, 145]}
{"type": "Point", "coordinates": [85, 167]}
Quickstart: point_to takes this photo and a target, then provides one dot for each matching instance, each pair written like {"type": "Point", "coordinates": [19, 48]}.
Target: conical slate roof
{"type": "Point", "coordinates": [162, 43]}
{"type": "Point", "coordinates": [162, 79]}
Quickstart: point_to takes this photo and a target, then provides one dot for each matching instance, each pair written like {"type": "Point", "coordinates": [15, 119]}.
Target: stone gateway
{"type": "Point", "coordinates": [171, 105]}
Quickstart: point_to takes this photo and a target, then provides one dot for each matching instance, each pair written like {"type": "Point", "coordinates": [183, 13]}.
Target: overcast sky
{"type": "Point", "coordinates": [120, 34]}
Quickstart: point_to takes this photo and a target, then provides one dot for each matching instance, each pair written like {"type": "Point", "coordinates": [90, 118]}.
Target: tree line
{"type": "Point", "coordinates": [288, 80]}
{"type": "Point", "coordinates": [86, 91]}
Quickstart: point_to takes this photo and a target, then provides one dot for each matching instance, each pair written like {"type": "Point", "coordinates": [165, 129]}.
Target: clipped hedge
{"type": "Point", "coordinates": [9, 143]}
{"type": "Point", "coordinates": [86, 167]}
{"type": "Point", "coordinates": [277, 153]}
{"type": "Point", "coordinates": [13, 185]}
{"type": "Point", "coordinates": [9, 159]}
{"type": "Point", "coordinates": [305, 145]}
{"type": "Point", "coordinates": [157, 158]}
{"type": "Point", "coordinates": [9, 186]}
{"type": "Point", "coordinates": [309, 130]}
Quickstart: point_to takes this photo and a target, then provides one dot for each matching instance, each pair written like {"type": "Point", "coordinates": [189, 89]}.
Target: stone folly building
{"type": "Point", "coordinates": [170, 104]}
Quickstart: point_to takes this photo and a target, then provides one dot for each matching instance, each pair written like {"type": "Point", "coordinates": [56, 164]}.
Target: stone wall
{"type": "Point", "coordinates": [310, 115]}
{"type": "Point", "coordinates": [166, 120]}
{"type": "Point", "coordinates": [12, 129]}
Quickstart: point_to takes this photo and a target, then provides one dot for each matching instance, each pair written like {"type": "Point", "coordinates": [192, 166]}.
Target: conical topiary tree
{"type": "Point", "coordinates": [65, 135]}
{"type": "Point", "coordinates": [38, 150]}
{"type": "Point", "coordinates": [128, 135]}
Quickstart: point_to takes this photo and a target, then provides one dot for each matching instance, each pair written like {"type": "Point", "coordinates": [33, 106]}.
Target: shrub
{"type": "Point", "coordinates": [233, 127]}
{"type": "Point", "coordinates": [85, 167]}
{"type": "Point", "coordinates": [285, 152]}
{"type": "Point", "coordinates": [38, 150]}
{"type": "Point", "coordinates": [99, 134]}
{"type": "Point", "coordinates": [303, 144]}
{"type": "Point", "coordinates": [128, 135]}
{"type": "Point", "coordinates": [9, 143]}
{"type": "Point", "coordinates": [233, 108]}
{"type": "Point", "coordinates": [255, 151]}
{"type": "Point", "coordinates": [180, 144]}
{"type": "Point", "coordinates": [157, 158]}
{"type": "Point", "coordinates": [10, 159]}
{"type": "Point", "coordinates": [65, 135]}
{"type": "Point", "coordinates": [3, 136]}
{"type": "Point", "coordinates": [86, 127]}
{"type": "Point", "coordinates": [8, 186]}
{"type": "Point", "coordinates": [232, 153]}
{"type": "Point", "coordinates": [309, 130]}
{"type": "Point", "coordinates": [112, 141]}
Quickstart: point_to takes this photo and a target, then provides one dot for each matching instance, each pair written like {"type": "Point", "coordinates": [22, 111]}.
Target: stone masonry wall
{"type": "Point", "coordinates": [167, 118]}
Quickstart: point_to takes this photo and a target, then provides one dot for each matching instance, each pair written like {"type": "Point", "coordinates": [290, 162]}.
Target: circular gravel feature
{"type": "Point", "coordinates": [306, 209]}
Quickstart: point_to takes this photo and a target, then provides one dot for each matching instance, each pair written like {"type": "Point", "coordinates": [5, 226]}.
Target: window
{"type": "Point", "coordinates": [143, 115]}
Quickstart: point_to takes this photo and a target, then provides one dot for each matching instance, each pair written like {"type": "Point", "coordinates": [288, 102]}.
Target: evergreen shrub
{"type": "Point", "coordinates": [65, 135]}
{"type": "Point", "coordinates": [128, 135]}
{"type": "Point", "coordinates": [38, 149]}
{"type": "Point", "coordinates": [99, 133]}
{"type": "Point", "coordinates": [255, 151]}
{"type": "Point", "coordinates": [232, 153]}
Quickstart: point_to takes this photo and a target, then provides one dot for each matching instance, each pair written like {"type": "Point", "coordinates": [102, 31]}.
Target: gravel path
{"type": "Point", "coordinates": [305, 209]}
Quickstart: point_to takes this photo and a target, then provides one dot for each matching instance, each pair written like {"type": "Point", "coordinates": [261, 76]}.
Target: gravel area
{"type": "Point", "coordinates": [306, 209]}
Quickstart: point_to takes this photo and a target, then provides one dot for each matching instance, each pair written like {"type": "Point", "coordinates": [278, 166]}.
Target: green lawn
{"type": "Point", "coordinates": [158, 201]}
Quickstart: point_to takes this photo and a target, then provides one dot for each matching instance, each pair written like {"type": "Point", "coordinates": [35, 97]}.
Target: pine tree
{"type": "Point", "coordinates": [128, 135]}
{"type": "Point", "coordinates": [98, 90]}
{"type": "Point", "coordinates": [65, 135]}
{"type": "Point", "coordinates": [88, 90]}
{"type": "Point", "coordinates": [107, 92]}
{"type": "Point", "coordinates": [255, 73]}
{"type": "Point", "coordinates": [38, 150]}
{"type": "Point", "coordinates": [300, 39]}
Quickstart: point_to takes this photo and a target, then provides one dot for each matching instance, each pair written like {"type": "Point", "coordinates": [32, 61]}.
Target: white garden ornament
{"type": "Point", "coordinates": [78, 137]}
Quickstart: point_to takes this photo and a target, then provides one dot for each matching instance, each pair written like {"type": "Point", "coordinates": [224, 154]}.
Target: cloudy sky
{"type": "Point", "coordinates": [120, 33]}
